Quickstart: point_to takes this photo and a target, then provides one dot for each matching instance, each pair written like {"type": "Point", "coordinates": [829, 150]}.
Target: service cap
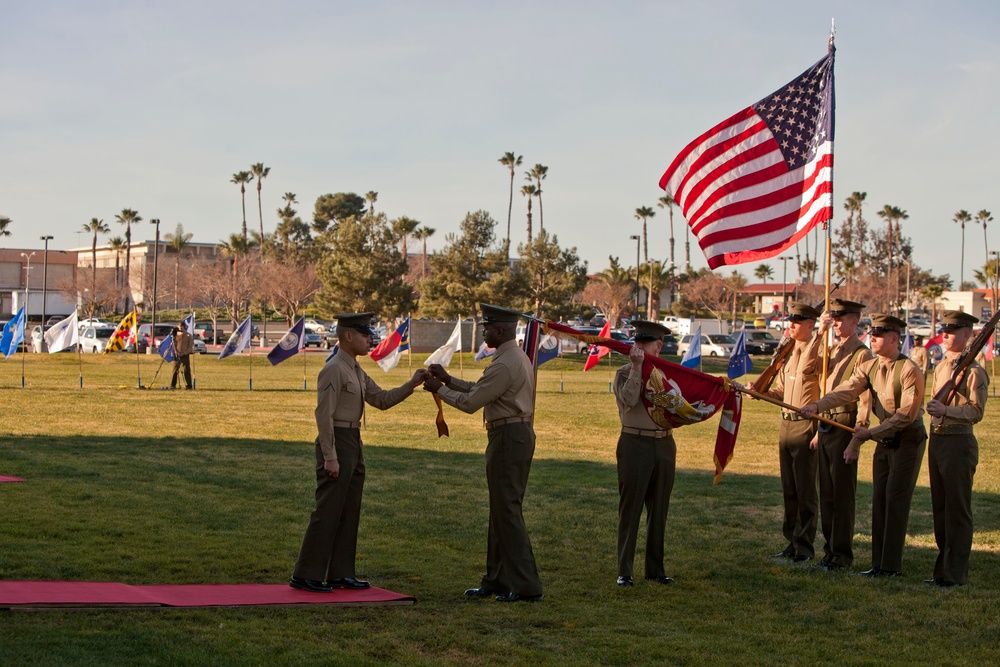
{"type": "Point", "coordinates": [801, 311]}
{"type": "Point", "coordinates": [648, 331]}
{"type": "Point", "coordinates": [498, 314]}
{"type": "Point", "coordinates": [885, 323]}
{"type": "Point", "coordinates": [841, 307]}
{"type": "Point", "coordinates": [359, 321]}
{"type": "Point", "coordinates": [956, 319]}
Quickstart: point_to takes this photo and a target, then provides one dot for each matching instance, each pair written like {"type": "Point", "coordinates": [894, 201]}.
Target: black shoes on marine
{"type": "Point", "coordinates": [831, 565]}
{"type": "Point", "coordinates": [801, 558]}
{"type": "Point", "coordinates": [880, 573]}
{"type": "Point", "coordinates": [660, 580]}
{"type": "Point", "coordinates": [943, 583]}
{"type": "Point", "coordinates": [349, 582]}
{"type": "Point", "coordinates": [480, 592]}
{"type": "Point", "coordinates": [517, 597]}
{"type": "Point", "coordinates": [788, 552]}
{"type": "Point", "coordinates": [311, 585]}
{"type": "Point", "coordinates": [625, 581]}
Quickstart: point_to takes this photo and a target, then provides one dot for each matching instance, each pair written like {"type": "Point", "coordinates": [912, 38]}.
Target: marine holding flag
{"type": "Point", "coordinates": [646, 457]}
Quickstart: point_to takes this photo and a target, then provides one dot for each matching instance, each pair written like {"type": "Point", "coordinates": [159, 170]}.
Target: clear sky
{"type": "Point", "coordinates": [154, 106]}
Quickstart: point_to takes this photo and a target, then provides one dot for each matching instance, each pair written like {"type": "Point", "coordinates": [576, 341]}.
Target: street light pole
{"type": "Point", "coordinates": [784, 282]}
{"type": "Point", "coordinates": [45, 285]}
{"type": "Point", "coordinates": [636, 238]}
{"type": "Point", "coordinates": [27, 334]}
{"type": "Point", "coordinates": [996, 267]}
{"type": "Point", "coordinates": [156, 259]}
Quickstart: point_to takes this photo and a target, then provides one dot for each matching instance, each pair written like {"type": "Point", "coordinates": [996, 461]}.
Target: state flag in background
{"type": "Point", "coordinates": [124, 333]}
{"type": "Point", "coordinates": [166, 349]}
{"type": "Point", "coordinates": [934, 348]}
{"type": "Point", "coordinates": [549, 348]}
{"type": "Point", "coordinates": [386, 354]}
{"type": "Point", "coordinates": [443, 354]}
{"type": "Point", "coordinates": [290, 343]}
{"type": "Point", "coordinates": [692, 356]}
{"type": "Point", "coordinates": [63, 334]}
{"type": "Point", "coordinates": [759, 181]}
{"type": "Point", "coordinates": [907, 343]}
{"type": "Point", "coordinates": [484, 352]}
{"type": "Point", "coordinates": [13, 334]}
{"type": "Point", "coordinates": [740, 362]}
{"type": "Point", "coordinates": [239, 340]}
{"type": "Point", "coordinates": [595, 352]}
{"type": "Point", "coordinates": [188, 323]}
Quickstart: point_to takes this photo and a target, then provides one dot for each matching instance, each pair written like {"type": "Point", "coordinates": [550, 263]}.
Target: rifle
{"type": "Point", "coordinates": [766, 379]}
{"type": "Point", "coordinates": [945, 393]}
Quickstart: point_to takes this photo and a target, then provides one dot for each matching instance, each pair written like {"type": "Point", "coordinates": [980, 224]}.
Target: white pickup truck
{"type": "Point", "coordinates": [682, 326]}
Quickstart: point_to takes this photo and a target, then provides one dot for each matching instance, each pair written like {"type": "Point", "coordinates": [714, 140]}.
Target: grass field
{"type": "Point", "coordinates": [216, 486]}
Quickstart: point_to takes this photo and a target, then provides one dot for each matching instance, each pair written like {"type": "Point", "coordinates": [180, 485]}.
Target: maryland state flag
{"type": "Point", "coordinates": [123, 333]}
{"type": "Point", "coordinates": [676, 396]}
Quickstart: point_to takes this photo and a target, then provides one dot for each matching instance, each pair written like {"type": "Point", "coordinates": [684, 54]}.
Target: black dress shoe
{"type": "Point", "coordinates": [787, 553]}
{"type": "Point", "coordinates": [660, 580]}
{"type": "Point", "coordinates": [888, 574]}
{"type": "Point", "coordinates": [298, 583]}
{"type": "Point", "coordinates": [480, 592]}
{"type": "Point", "coordinates": [832, 566]}
{"type": "Point", "coordinates": [944, 583]}
{"type": "Point", "coordinates": [874, 572]}
{"type": "Point", "coordinates": [348, 582]}
{"type": "Point", "coordinates": [624, 581]}
{"type": "Point", "coordinates": [517, 597]}
{"type": "Point", "coordinates": [801, 558]}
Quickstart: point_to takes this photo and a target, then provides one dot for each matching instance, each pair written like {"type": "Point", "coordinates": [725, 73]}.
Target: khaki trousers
{"type": "Point", "coordinates": [798, 484]}
{"type": "Point", "coordinates": [838, 486]}
{"type": "Point", "coordinates": [952, 460]}
{"type": "Point", "coordinates": [646, 468]}
{"type": "Point", "coordinates": [894, 476]}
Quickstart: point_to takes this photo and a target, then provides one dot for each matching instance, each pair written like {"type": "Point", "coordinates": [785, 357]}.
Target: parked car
{"type": "Point", "coordinates": [670, 344]}
{"type": "Point", "coordinates": [162, 331]}
{"type": "Point", "coordinates": [330, 338]}
{"type": "Point", "coordinates": [712, 345]}
{"type": "Point", "coordinates": [205, 332]}
{"type": "Point", "coordinates": [94, 340]}
{"type": "Point", "coordinates": [55, 319]}
{"type": "Point", "coordinates": [316, 327]}
{"type": "Point", "coordinates": [760, 341]}
{"type": "Point", "coordinates": [312, 338]}
{"type": "Point", "coordinates": [36, 337]}
{"type": "Point", "coordinates": [199, 346]}
{"type": "Point", "coordinates": [95, 322]}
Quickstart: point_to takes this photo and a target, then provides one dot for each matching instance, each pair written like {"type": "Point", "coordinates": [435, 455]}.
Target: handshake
{"type": "Point", "coordinates": [433, 378]}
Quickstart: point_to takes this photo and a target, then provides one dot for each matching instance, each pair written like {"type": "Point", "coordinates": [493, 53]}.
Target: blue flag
{"type": "Point", "coordinates": [907, 344]}
{"type": "Point", "coordinates": [13, 334]}
{"type": "Point", "coordinates": [290, 343]}
{"type": "Point", "coordinates": [739, 361]}
{"type": "Point", "coordinates": [166, 349]}
{"type": "Point", "coordinates": [239, 341]}
{"type": "Point", "coordinates": [549, 349]}
{"type": "Point", "coordinates": [484, 352]}
{"type": "Point", "coordinates": [188, 323]}
{"type": "Point", "coordinates": [692, 357]}
{"type": "Point", "coordinates": [333, 352]}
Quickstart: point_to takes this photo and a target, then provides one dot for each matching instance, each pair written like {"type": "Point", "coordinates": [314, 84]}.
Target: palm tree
{"type": "Point", "coordinates": [982, 218]}
{"type": "Point", "coordinates": [961, 218]}
{"type": "Point", "coordinates": [643, 213]}
{"type": "Point", "coordinates": [538, 172]}
{"type": "Point", "coordinates": [853, 205]}
{"type": "Point", "coordinates": [422, 235]}
{"type": "Point", "coordinates": [372, 197]}
{"type": "Point", "coordinates": [933, 292]}
{"type": "Point", "coordinates": [657, 276]}
{"type": "Point", "coordinates": [117, 244]}
{"type": "Point", "coordinates": [96, 227]}
{"type": "Point", "coordinates": [4, 224]}
{"type": "Point", "coordinates": [128, 217]}
{"type": "Point", "coordinates": [763, 272]}
{"type": "Point", "coordinates": [241, 178]}
{"type": "Point", "coordinates": [404, 228]}
{"type": "Point", "coordinates": [892, 214]}
{"type": "Point", "coordinates": [512, 162]}
{"type": "Point", "coordinates": [668, 203]}
{"type": "Point", "coordinates": [260, 172]}
{"type": "Point", "coordinates": [529, 191]}
{"type": "Point", "coordinates": [175, 244]}
{"type": "Point", "coordinates": [290, 199]}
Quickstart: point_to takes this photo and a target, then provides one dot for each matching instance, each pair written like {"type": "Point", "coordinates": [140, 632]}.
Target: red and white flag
{"type": "Point", "coordinates": [759, 181]}
{"type": "Point", "coordinates": [595, 352]}
{"type": "Point", "coordinates": [387, 353]}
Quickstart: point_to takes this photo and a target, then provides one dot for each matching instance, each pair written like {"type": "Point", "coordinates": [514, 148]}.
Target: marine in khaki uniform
{"type": "Point", "coordinates": [897, 395]}
{"type": "Point", "coordinates": [838, 479]}
{"type": "Point", "coordinates": [504, 393]}
{"type": "Point", "coordinates": [797, 384]}
{"type": "Point", "coordinates": [326, 558]}
{"type": "Point", "coordinates": [918, 354]}
{"type": "Point", "coordinates": [647, 457]}
{"type": "Point", "coordinates": [953, 452]}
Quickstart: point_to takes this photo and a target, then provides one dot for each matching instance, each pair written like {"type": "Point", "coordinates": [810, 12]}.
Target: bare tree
{"type": "Point", "coordinates": [288, 286]}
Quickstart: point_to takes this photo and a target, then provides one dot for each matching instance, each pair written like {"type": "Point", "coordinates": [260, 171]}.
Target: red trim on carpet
{"type": "Point", "coordinates": [34, 594]}
{"type": "Point", "coordinates": [5, 478]}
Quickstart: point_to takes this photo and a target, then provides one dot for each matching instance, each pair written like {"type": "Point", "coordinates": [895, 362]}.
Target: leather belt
{"type": "Point", "coordinates": [496, 423]}
{"type": "Point", "coordinates": [341, 424]}
{"type": "Point", "coordinates": [850, 409]}
{"type": "Point", "coordinates": [792, 416]}
{"type": "Point", "coordinates": [659, 433]}
{"type": "Point", "coordinates": [951, 429]}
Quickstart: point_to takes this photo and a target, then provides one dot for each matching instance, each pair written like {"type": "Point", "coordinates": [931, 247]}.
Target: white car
{"type": "Point", "coordinates": [712, 345]}
{"type": "Point", "coordinates": [94, 340]}
{"type": "Point", "coordinates": [314, 326]}
{"type": "Point", "coordinates": [94, 322]}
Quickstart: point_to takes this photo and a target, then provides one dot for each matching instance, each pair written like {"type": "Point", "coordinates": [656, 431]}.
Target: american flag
{"type": "Point", "coordinates": [759, 181]}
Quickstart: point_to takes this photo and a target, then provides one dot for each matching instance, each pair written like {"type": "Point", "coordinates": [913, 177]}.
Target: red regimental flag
{"type": "Point", "coordinates": [596, 351]}
{"type": "Point", "coordinates": [676, 396]}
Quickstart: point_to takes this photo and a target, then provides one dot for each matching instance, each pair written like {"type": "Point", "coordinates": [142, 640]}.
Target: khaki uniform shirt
{"type": "Point", "coordinates": [628, 394]}
{"type": "Point", "coordinates": [504, 389]}
{"type": "Point", "coordinates": [969, 399]}
{"type": "Point", "coordinates": [893, 418]}
{"type": "Point", "coordinates": [918, 355]}
{"type": "Point", "coordinates": [183, 343]}
{"type": "Point", "coordinates": [798, 381]}
{"type": "Point", "coordinates": [342, 390]}
{"type": "Point", "coordinates": [841, 354]}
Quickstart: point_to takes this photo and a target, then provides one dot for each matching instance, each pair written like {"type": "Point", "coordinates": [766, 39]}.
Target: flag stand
{"type": "Point", "coordinates": [138, 371]}
{"type": "Point", "coordinates": [79, 358]}
{"type": "Point", "coordinates": [561, 380]}
{"type": "Point", "coordinates": [24, 347]}
{"type": "Point", "coordinates": [250, 314]}
{"type": "Point", "coordinates": [610, 374]}
{"type": "Point", "coordinates": [461, 364]}
{"type": "Point", "coordinates": [304, 385]}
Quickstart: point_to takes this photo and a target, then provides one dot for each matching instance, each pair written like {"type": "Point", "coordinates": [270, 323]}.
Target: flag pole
{"type": "Point", "coordinates": [409, 358]}
{"type": "Point", "coordinates": [829, 231]}
{"type": "Point", "coordinates": [461, 364]}
{"type": "Point", "coordinates": [534, 362]}
{"type": "Point", "coordinates": [250, 332]}
{"type": "Point", "coordinates": [138, 371]}
{"type": "Point", "coordinates": [79, 358]}
{"type": "Point", "coordinates": [304, 383]}
{"type": "Point", "coordinates": [194, 375]}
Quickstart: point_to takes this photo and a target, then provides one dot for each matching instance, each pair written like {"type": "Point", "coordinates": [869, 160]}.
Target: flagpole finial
{"type": "Point", "coordinates": [833, 33]}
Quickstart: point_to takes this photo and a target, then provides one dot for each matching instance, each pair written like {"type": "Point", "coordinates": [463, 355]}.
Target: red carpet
{"type": "Point", "coordinates": [42, 594]}
{"type": "Point", "coordinates": [5, 478]}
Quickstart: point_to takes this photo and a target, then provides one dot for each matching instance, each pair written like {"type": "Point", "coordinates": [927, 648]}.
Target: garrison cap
{"type": "Point", "coordinates": [956, 319]}
{"type": "Point", "coordinates": [802, 311]}
{"type": "Point", "coordinates": [359, 321]}
{"type": "Point", "coordinates": [497, 314]}
{"type": "Point", "coordinates": [885, 323]}
{"type": "Point", "coordinates": [841, 307]}
{"type": "Point", "coordinates": [648, 331]}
